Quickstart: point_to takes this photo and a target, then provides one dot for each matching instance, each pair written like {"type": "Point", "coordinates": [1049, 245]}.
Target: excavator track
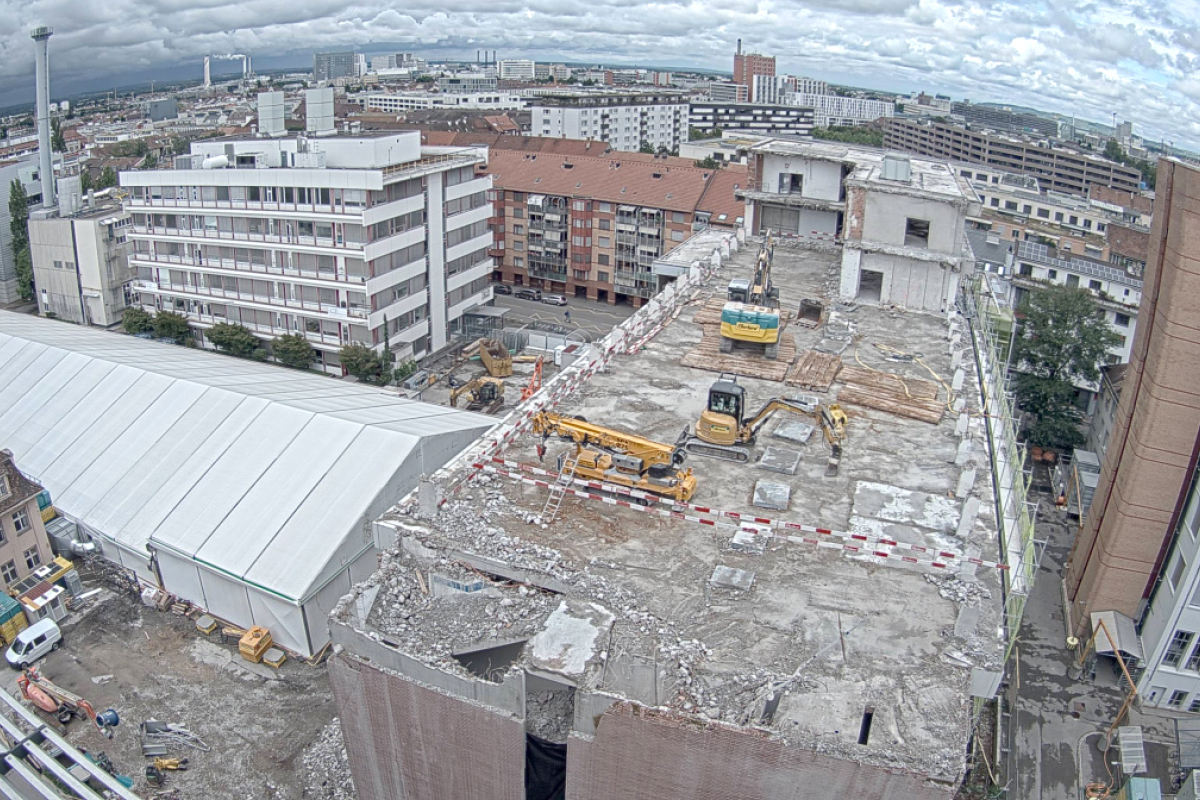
{"type": "Point", "coordinates": [699, 447]}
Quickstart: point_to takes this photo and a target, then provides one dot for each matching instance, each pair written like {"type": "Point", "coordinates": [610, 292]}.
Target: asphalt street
{"type": "Point", "coordinates": [593, 316]}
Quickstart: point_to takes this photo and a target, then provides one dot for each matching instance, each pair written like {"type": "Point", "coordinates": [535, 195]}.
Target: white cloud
{"type": "Point", "coordinates": [1136, 57]}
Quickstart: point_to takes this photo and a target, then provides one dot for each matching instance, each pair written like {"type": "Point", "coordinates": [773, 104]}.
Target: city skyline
{"type": "Point", "coordinates": [1124, 56]}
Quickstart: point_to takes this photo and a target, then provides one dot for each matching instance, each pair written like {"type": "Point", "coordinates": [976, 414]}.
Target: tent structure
{"type": "Point", "coordinates": [244, 487]}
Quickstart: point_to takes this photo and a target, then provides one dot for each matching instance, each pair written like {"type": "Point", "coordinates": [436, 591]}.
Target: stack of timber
{"type": "Point", "coordinates": [814, 371]}
{"type": "Point", "coordinates": [906, 397]}
{"type": "Point", "coordinates": [708, 356]}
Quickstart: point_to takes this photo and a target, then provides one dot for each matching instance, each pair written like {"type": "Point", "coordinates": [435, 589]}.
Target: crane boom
{"type": "Point", "coordinates": [585, 433]}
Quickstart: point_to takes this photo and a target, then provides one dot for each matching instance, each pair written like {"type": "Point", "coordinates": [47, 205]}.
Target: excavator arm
{"type": "Point", "coordinates": [584, 433]}
{"type": "Point", "coordinates": [752, 426]}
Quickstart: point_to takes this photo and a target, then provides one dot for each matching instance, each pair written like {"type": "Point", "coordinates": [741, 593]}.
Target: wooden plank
{"type": "Point", "coordinates": [922, 410]}
{"type": "Point", "coordinates": [889, 382]}
{"type": "Point", "coordinates": [708, 356]}
{"type": "Point", "coordinates": [814, 370]}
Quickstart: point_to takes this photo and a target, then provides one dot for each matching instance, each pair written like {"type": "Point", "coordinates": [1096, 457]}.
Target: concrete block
{"type": "Point", "coordinates": [967, 520]}
{"type": "Point", "coordinates": [724, 577]}
{"type": "Point", "coordinates": [748, 540]}
{"type": "Point", "coordinates": [956, 359]}
{"type": "Point", "coordinates": [968, 618]}
{"type": "Point", "coordinates": [777, 459]}
{"type": "Point", "coordinates": [965, 482]}
{"type": "Point", "coordinates": [428, 498]}
{"type": "Point", "coordinates": [772, 495]}
{"type": "Point", "coordinates": [966, 570]}
{"type": "Point", "coordinates": [985, 683]}
{"type": "Point", "coordinates": [956, 383]}
{"type": "Point", "coordinates": [797, 432]}
{"type": "Point", "coordinates": [960, 427]}
{"type": "Point", "coordinates": [964, 453]}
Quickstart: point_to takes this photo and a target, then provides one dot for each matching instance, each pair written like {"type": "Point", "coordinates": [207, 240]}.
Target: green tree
{"type": "Point", "coordinates": [150, 161]}
{"type": "Point", "coordinates": [425, 79]}
{"type": "Point", "coordinates": [169, 325]}
{"type": "Point", "coordinates": [1113, 151]}
{"type": "Point", "coordinates": [404, 369]}
{"type": "Point", "coordinates": [23, 263]}
{"type": "Point", "coordinates": [363, 363]}
{"type": "Point", "coordinates": [293, 350]}
{"type": "Point", "coordinates": [708, 162]}
{"type": "Point", "coordinates": [646, 148]}
{"type": "Point", "coordinates": [237, 340]}
{"type": "Point", "coordinates": [58, 142]}
{"type": "Point", "coordinates": [85, 181]}
{"type": "Point", "coordinates": [18, 226]}
{"type": "Point", "coordinates": [179, 145]}
{"type": "Point", "coordinates": [108, 178]}
{"type": "Point", "coordinates": [137, 320]}
{"type": "Point", "coordinates": [852, 134]}
{"type": "Point", "coordinates": [1062, 341]}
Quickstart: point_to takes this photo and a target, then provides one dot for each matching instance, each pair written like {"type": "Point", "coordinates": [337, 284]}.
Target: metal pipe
{"type": "Point", "coordinates": [41, 37]}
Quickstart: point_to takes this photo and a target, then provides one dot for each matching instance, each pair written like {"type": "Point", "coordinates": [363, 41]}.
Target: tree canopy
{"type": "Point", "coordinates": [237, 340]}
{"type": "Point", "coordinates": [169, 325]}
{"type": "Point", "coordinates": [293, 350]}
{"type": "Point", "coordinates": [18, 226]}
{"type": "Point", "coordinates": [137, 320]}
{"type": "Point", "coordinates": [364, 363]}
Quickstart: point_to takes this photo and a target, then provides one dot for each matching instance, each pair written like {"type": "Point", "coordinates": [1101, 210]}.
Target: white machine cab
{"type": "Point", "coordinates": [34, 642]}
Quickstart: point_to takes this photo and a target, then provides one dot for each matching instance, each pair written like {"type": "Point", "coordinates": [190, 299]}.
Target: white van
{"type": "Point", "coordinates": [34, 642]}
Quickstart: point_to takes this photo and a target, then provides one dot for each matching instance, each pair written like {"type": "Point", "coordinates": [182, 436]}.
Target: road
{"type": "Point", "coordinates": [593, 316]}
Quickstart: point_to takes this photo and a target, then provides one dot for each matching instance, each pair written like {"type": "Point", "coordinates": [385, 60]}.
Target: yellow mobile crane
{"type": "Point", "coordinates": [723, 429]}
{"type": "Point", "coordinates": [612, 456]}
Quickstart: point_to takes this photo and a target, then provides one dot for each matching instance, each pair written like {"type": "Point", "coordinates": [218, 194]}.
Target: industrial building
{"type": "Point", "coordinates": [1055, 166]}
{"type": "Point", "coordinates": [243, 487]}
{"type": "Point", "coordinates": [332, 236]}
{"type": "Point", "coordinates": [786, 634]}
{"type": "Point", "coordinates": [899, 222]}
{"type": "Point", "coordinates": [792, 120]}
{"type": "Point", "coordinates": [1136, 560]}
{"type": "Point", "coordinates": [81, 262]}
{"type": "Point", "coordinates": [626, 121]}
{"type": "Point", "coordinates": [401, 102]}
{"type": "Point", "coordinates": [1004, 119]}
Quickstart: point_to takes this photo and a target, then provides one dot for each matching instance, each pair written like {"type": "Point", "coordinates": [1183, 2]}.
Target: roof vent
{"type": "Point", "coordinates": [568, 165]}
{"type": "Point", "coordinates": [897, 167]}
{"type": "Point", "coordinates": [656, 175]}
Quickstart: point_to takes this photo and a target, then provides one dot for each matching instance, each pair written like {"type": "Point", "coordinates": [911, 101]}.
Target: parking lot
{"type": "Point", "coordinates": [256, 721]}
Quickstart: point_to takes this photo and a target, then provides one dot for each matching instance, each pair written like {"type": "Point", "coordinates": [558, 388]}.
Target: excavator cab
{"type": "Point", "coordinates": [739, 290]}
{"type": "Point", "coordinates": [721, 420]}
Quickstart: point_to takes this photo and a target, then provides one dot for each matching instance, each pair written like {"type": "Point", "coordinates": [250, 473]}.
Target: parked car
{"type": "Point", "coordinates": [555, 300]}
{"type": "Point", "coordinates": [501, 288]}
{"type": "Point", "coordinates": [528, 294]}
{"type": "Point", "coordinates": [34, 642]}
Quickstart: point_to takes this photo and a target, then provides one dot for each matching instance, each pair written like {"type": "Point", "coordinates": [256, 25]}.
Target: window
{"type": "Point", "coordinates": [995, 202]}
{"type": "Point", "coordinates": [1044, 213]}
{"type": "Point", "coordinates": [519, 230]}
{"type": "Point", "coordinates": [916, 232]}
{"type": "Point", "coordinates": [1179, 645]}
{"type": "Point", "coordinates": [518, 213]}
{"type": "Point", "coordinates": [1027, 209]}
{"type": "Point", "coordinates": [602, 277]}
{"type": "Point", "coordinates": [1177, 698]}
{"type": "Point", "coordinates": [518, 261]}
{"type": "Point", "coordinates": [1058, 217]}
{"type": "Point", "coordinates": [1074, 220]}
{"type": "Point", "coordinates": [1193, 662]}
{"type": "Point", "coordinates": [4, 486]}
{"type": "Point", "coordinates": [1121, 320]}
{"type": "Point", "coordinates": [21, 521]}
{"type": "Point", "coordinates": [1176, 574]}
{"type": "Point", "coordinates": [1095, 286]}
{"type": "Point", "coordinates": [602, 259]}
{"type": "Point", "coordinates": [33, 558]}
{"type": "Point", "coordinates": [1010, 205]}
{"type": "Point", "coordinates": [9, 572]}
{"type": "Point", "coordinates": [1195, 706]}
{"type": "Point", "coordinates": [605, 225]}
{"type": "Point", "coordinates": [790, 184]}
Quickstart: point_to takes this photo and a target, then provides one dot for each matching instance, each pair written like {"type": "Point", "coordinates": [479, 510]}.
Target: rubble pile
{"type": "Point", "coordinates": [326, 769]}
{"type": "Point", "coordinates": [550, 714]}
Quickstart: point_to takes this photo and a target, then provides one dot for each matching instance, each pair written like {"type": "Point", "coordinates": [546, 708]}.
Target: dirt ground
{"type": "Point", "coordinates": [147, 664]}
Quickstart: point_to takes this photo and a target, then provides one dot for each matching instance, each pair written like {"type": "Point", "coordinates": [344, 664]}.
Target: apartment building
{"type": "Point", "coordinates": [728, 92]}
{"type": "Point", "coordinates": [516, 69]}
{"type": "Point", "coordinates": [331, 237]}
{"type": "Point", "coordinates": [332, 66]}
{"type": "Point", "coordinates": [1136, 561]}
{"type": "Point", "coordinates": [626, 121]}
{"type": "Point", "coordinates": [707, 115]}
{"type": "Point", "coordinates": [748, 65]}
{"type": "Point", "coordinates": [592, 227]}
{"type": "Point", "coordinates": [401, 102]}
{"type": "Point", "coordinates": [832, 109]}
{"type": "Point", "coordinates": [24, 545]}
{"type": "Point", "coordinates": [81, 263]}
{"type": "Point", "coordinates": [900, 222]}
{"type": "Point", "coordinates": [772, 89]}
{"type": "Point", "coordinates": [1056, 167]}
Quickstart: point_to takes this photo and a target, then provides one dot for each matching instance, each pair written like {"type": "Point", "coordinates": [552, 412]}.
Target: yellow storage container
{"type": "Point", "coordinates": [10, 629]}
{"type": "Point", "coordinates": [254, 643]}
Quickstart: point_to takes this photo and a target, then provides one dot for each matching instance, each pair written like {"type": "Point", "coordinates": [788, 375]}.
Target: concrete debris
{"type": "Point", "coordinates": [772, 495]}
{"type": "Point", "coordinates": [777, 459]}
{"type": "Point", "coordinates": [326, 768]}
{"type": "Point", "coordinates": [794, 431]}
{"type": "Point", "coordinates": [550, 714]}
{"type": "Point", "coordinates": [724, 577]}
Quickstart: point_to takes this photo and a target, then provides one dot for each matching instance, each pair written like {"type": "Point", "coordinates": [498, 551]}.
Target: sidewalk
{"type": "Point", "coordinates": [1056, 722]}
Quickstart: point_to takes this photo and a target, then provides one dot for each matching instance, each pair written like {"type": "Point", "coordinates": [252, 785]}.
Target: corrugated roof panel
{"type": "Point", "coordinates": [44, 405]}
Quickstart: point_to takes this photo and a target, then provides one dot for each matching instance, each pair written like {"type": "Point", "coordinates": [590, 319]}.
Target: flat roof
{"type": "Point", "coordinates": [858, 592]}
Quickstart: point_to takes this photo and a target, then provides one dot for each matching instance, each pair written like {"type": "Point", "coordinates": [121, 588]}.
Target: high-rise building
{"type": "Point", "coordinates": [747, 65]}
{"type": "Point", "coordinates": [833, 109]}
{"type": "Point", "coordinates": [625, 121]}
{"type": "Point", "coordinates": [331, 66]}
{"type": "Point", "coordinates": [728, 92]}
{"type": "Point", "coordinates": [707, 115]}
{"type": "Point", "coordinates": [1136, 561]}
{"type": "Point", "coordinates": [332, 237]}
{"type": "Point", "coordinates": [515, 70]}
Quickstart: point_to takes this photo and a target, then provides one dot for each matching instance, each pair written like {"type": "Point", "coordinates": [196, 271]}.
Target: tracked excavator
{"type": "Point", "coordinates": [751, 313]}
{"type": "Point", "coordinates": [484, 394]}
{"type": "Point", "coordinates": [725, 431]}
{"type": "Point", "coordinates": [617, 457]}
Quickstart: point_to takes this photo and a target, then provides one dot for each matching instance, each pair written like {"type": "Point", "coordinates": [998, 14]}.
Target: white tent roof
{"type": "Point", "coordinates": [259, 471]}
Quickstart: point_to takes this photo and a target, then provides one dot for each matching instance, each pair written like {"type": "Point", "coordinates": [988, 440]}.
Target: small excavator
{"type": "Point", "coordinates": [724, 431]}
{"type": "Point", "coordinates": [63, 704]}
{"type": "Point", "coordinates": [616, 457]}
{"type": "Point", "coordinates": [751, 314]}
{"type": "Point", "coordinates": [484, 394]}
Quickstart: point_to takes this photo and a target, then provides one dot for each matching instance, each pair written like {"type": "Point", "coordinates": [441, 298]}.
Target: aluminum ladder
{"type": "Point", "coordinates": [558, 491]}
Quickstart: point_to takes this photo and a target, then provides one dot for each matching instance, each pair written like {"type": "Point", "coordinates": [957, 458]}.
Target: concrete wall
{"type": "Point", "coordinates": [822, 179]}
{"type": "Point", "coordinates": [1116, 556]}
{"type": "Point", "coordinates": [52, 246]}
{"type": "Point", "coordinates": [886, 215]}
{"type": "Point", "coordinates": [636, 755]}
{"type": "Point", "coordinates": [910, 283]}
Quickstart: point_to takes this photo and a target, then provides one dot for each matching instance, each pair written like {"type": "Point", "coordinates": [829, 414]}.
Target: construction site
{"type": "Point", "coordinates": [636, 586]}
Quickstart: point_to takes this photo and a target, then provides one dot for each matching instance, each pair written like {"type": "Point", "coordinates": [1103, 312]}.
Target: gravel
{"type": "Point", "coordinates": [326, 769]}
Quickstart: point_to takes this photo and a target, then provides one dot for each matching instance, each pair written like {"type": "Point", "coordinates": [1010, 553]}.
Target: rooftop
{"type": "Point", "coordinates": [859, 592]}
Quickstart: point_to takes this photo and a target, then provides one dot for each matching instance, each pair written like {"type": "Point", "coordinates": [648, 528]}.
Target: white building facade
{"type": "Point", "coordinates": [331, 238]}
{"type": "Point", "coordinates": [624, 121]}
{"type": "Point", "coordinates": [517, 69]}
{"type": "Point", "coordinates": [832, 109]}
{"type": "Point", "coordinates": [398, 103]}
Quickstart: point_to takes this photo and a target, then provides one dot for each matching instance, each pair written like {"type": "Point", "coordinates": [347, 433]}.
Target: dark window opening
{"type": "Point", "coordinates": [490, 663]}
{"type": "Point", "coordinates": [916, 233]}
{"type": "Point", "coordinates": [864, 730]}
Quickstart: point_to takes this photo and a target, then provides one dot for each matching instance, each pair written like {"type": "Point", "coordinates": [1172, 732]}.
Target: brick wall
{"type": "Point", "coordinates": [408, 742]}
{"type": "Point", "coordinates": [1120, 197]}
{"type": "Point", "coordinates": [638, 755]}
{"type": "Point", "coordinates": [1153, 439]}
{"type": "Point", "coordinates": [1128, 242]}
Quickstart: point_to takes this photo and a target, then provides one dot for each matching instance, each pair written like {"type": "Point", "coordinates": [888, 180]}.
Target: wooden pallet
{"type": "Point", "coordinates": [913, 398]}
{"type": "Point", "coordinates": [814, 371]}
{"type": "Point", "coordinates": [708, 356]}
{"type": "Point", "coordinates": [710, 313]}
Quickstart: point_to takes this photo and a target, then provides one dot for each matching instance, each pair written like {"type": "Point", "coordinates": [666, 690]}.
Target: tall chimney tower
{"type": "Point", "coordinates": [41, 38]}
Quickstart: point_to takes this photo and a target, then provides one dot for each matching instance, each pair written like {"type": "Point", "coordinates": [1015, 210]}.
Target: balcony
{"type": "Point", "coordinates": [256, 301]}
{"type": "Point", "coordinates": [226, 266]}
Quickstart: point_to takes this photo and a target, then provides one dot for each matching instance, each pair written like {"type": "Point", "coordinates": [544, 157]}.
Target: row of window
{"type": "Point", "coordinates": [291, 195]}
{"type": "Point", "coordinates": [8, 571]}
{"type": "Point", "coordinates": [1044, 213]}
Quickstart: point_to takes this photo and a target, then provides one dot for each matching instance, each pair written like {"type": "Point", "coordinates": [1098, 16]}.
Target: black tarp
{"type": "Point", "coordinates": [545, 769]}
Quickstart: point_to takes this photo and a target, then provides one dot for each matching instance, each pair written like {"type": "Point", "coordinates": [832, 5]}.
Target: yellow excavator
{"type": "Point", "coordinates": [484, 394]}
{"type": "Point", "coordinates": [616, 457]}
{"type": "Point", "coordinates": [751, 315]}
{"type": "Point", "coordinates": [725, 431]}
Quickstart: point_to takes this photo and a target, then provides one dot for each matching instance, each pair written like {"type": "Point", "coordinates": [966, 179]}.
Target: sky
{"type": "Point", "coordinates": [1137, 58]}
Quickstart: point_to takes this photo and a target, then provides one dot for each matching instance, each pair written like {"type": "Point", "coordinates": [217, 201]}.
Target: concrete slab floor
{"type": "Point", "coordinates": [153, 665]}
{"type": "Point", "coordinates": [1056, 721]}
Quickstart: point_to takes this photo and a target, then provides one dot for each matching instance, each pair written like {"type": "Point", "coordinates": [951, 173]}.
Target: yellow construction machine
{"type": "Point", "coordinates": [483, 394]}
{"type": "Point", "coordinates": [725, 431]}
{"type": "Point", "coordinates": [751, 314]}
{"type": "Point", "coordinates": [616, 457]}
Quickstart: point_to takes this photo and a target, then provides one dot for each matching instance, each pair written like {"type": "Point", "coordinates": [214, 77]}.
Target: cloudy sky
{"type": "Point", "coordinates": [1138, 58]}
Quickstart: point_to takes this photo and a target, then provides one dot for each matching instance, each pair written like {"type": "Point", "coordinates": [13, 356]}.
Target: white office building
{"type": "Point", "coordinates": [517, 69]}
{"type": "Point", "coordinates": [400, 102]}
{"type": "Point", "coordinates": [624, 121]}
{"type": "Point", "coordinates": [330, 237]}
{"type": "Point", "coordinates": [771, 90]}
{"type": "Point", "coordinates": [832, 109]}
